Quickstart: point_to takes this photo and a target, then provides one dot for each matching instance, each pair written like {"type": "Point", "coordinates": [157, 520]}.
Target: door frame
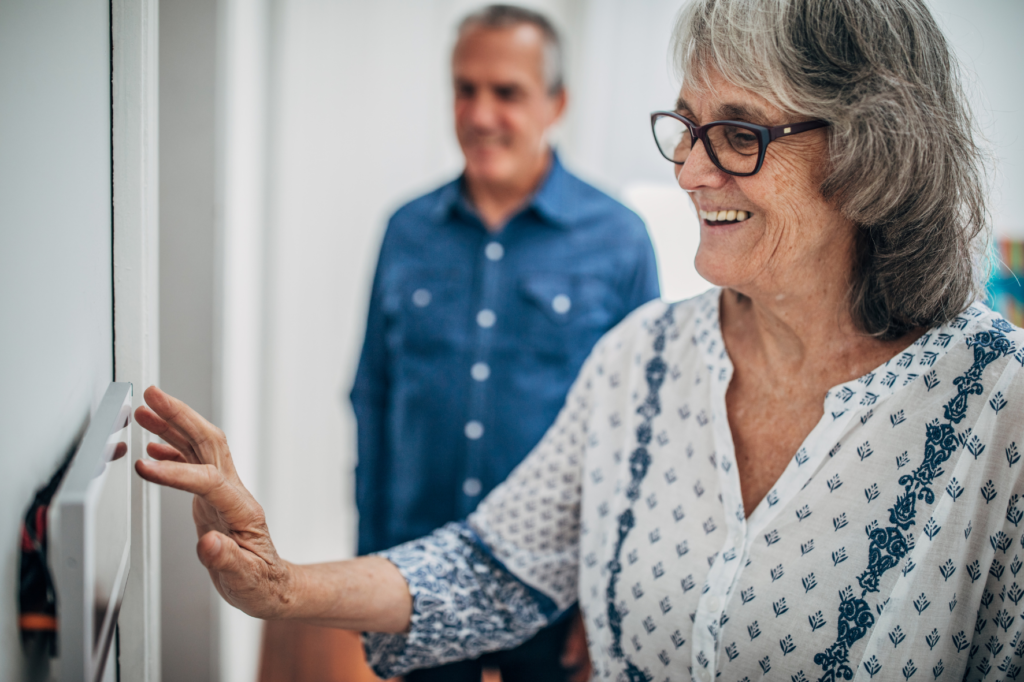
{"type": "Point", "coordinates": [134, 149]}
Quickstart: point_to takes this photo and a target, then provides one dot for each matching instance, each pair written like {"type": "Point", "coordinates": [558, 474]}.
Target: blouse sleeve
{"type": "Point", "coordinates": [493, 581]}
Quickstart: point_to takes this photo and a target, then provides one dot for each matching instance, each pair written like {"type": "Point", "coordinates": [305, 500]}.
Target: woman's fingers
{"type": "Point", "coordinates": [207, 441]}
{"type": "Point", "coordinates": [165, 453]}
{"type": "Point", "coordinates": [149, 420]}
{"type": "Point", "coordinates": [237, 508]}
{"type": "Point", "coordinates": [192, 478]}
{"type": "Point", "coordinates": [197, 430]}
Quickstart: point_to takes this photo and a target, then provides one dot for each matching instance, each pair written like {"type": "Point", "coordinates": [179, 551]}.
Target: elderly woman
{"type": "Point", "coordinates": [809, 472]}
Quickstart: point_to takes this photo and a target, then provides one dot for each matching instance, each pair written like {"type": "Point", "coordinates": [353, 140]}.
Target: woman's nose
{"type": "Point", "coordinates": [699, 170]}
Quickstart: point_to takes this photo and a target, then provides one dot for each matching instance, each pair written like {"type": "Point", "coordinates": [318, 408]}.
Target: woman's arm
{"type": "Point", "coordinates": [367, 594]}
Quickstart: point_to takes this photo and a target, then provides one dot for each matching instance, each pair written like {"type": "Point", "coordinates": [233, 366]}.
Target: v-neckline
{"type": "Point", "coordinates": [842, 403]}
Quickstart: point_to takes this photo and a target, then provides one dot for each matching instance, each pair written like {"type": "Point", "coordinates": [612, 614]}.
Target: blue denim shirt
{"type": "Point", "coordinates": [473, 340]}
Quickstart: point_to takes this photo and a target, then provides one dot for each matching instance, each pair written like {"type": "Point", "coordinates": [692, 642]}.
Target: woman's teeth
{"type": "Point", "coordinates": [724, 216]}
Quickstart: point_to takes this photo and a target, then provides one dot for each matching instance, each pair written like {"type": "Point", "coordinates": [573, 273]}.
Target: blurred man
{"type": "Point", "coordinates": [489, 294]}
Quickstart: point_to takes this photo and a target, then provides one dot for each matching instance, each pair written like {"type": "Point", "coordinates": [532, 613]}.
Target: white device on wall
{"type": "Point", "coordinates": [89, 540]}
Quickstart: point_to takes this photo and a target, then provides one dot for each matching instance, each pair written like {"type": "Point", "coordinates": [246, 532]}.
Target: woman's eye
{"type": "Point", "coordinates": [742, 140]}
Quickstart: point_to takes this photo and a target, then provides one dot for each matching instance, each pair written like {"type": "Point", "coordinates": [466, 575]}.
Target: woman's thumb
{"type": "Point", "coordinates": [218, 552]}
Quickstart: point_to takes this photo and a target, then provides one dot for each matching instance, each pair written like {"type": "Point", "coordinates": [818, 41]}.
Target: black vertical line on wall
{"type": "Point", "coordinates": [113, 279]}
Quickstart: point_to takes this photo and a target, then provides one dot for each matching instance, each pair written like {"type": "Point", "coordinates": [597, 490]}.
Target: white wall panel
{"type": "Point", "coordinates": [986, 37]}
{"type": "Point", "coordinates": [56, 312]}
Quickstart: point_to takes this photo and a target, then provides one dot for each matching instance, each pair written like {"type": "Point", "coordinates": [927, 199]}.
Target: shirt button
{"type": "Point", "coordinates": [480, 371]}
{"type": "Point", "coordinates": [705, 674]}
{"type": "Point", "coordinates": [561, 304]}
{"type": "Point", "coordinates": [421, 298]}
{"type": "Point", "coordinates": [486, 318]}
{"type": "Point", "coordinates": [474, 430]}
{"type": "Point", "coordinates": [471, 487]}
{"type": "Point", "coordinates": [714, 603]}
{"type": "Point", "coordinates": [494, 251]}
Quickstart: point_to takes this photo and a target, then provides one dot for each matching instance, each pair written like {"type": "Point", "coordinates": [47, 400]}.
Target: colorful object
{"type": "Point", "coordinates": [1006, 286]}
{"type": "Point", "coordinates": [37, 600]}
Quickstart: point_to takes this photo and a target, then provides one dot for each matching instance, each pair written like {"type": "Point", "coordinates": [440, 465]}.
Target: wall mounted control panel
{"type": "Point", "coordinates": [90, 540]}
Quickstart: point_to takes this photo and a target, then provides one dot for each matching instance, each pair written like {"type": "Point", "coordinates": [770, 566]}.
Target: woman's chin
{"type": "Point", "coordinates": [722, 270]}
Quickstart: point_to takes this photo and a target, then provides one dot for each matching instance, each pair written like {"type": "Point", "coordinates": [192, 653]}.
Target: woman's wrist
{"type": "Point", "coordinates": [285, 593]}
{"type": "Point", "coordinates": [367, 593]}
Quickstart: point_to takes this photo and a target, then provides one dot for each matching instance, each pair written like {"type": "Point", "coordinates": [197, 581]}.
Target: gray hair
{"type": "Point", "coordinates": [508, 16]}
{"type": "Point", "coordinates": [904, 164]}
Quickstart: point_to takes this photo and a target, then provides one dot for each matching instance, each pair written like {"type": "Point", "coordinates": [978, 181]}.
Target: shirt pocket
{"type": "Point", "coordinates": [425, 310]}
{"type": "Point", "coordinates": [565, 311]}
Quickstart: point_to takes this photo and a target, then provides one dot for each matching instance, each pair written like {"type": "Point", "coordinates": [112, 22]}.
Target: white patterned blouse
{"type": "Point", "coordinates": [890, 547]}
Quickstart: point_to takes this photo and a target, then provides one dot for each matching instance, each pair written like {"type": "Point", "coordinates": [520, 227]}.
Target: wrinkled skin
{"type": "Point", "coordinates": [234, 541]}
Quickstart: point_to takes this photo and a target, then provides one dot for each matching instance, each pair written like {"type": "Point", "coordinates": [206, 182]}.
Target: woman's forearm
{"type": "Point", "coordinates": [367, 594]}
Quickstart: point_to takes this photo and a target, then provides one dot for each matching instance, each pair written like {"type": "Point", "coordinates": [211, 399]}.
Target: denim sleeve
{"type": "Point", "coordinates": [493, 581]}
{"type": "Point", "coordinates": [369, 402]}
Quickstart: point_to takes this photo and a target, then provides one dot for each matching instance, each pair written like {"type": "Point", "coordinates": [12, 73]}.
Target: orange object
{"type": "Point", "coordinates": [38, 622]}
{"type": "Point", "coordinates": [297, 652]}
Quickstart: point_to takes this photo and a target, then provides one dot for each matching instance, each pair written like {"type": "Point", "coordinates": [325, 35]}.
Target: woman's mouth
{"type": "Point", "coordinates": [724, 217]}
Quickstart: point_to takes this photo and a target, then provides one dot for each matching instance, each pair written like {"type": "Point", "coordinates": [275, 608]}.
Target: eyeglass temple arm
{"type": "Point", "coordinates": [794, 128]}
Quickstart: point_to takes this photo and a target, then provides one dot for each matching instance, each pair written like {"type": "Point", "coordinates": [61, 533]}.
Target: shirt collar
{"type": "Point", "coordinates": [549, 202]}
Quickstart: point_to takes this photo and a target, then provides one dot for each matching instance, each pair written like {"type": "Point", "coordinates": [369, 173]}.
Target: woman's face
{"type": "Point", "coordinates": [791, 236]}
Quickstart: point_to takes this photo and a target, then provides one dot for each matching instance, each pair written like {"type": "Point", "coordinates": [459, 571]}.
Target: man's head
{"type": "Point", "coordinates": [507, 72]}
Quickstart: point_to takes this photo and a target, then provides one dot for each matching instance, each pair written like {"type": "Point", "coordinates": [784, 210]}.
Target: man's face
{"type": "Point", "coordinates": [502, 106]}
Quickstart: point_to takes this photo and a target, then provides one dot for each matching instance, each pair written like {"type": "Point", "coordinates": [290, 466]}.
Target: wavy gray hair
{"type": "Point", "coordinates": [904, 163]}
{"type": "Point", "coordinates": [508, 16]}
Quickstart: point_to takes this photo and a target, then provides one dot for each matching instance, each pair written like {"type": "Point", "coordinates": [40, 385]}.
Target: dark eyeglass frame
{"type": "Point", "coordinates": [765, 135]}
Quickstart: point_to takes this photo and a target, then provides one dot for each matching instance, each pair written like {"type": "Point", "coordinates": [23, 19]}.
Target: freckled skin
{"type": "Point", "coordinates": [787, 269]}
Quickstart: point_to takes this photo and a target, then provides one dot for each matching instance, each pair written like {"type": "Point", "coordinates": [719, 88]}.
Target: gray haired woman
{"type": "Point", "coordinates": [809, 472]}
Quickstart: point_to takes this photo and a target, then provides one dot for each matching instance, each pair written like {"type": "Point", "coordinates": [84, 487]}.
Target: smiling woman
{"type": "Point", "coordinates": [840, 377]}
{"type": "Point", "coordinates": [902, 162]}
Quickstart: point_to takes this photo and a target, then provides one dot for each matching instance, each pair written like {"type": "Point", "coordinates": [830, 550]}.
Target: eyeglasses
{"type": "Point", "coordinates": [736, 147]}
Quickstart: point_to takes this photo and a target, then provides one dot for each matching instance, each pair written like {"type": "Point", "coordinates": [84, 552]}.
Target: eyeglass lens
{"type": "Point", "coordinates": [736, 149]}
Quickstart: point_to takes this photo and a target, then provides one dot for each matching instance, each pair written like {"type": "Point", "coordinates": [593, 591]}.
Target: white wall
{"type": "Point", "coordinates": [56, 349]}
{"type": "Point", "coordinates": [243, 69]}
{"type": "Point", "coordinates": [986, 35]}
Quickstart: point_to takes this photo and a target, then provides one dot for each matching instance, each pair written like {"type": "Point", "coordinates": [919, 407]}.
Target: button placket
{"type": "Point", "coordinates": [722, 575]}
{"type": "Point", "coordinates": [721, 581]}
{"type": "Point", "coordinates": [479, 403]}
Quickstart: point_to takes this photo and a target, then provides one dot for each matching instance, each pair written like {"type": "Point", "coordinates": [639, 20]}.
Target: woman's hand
{"type": "Point", "coordinates": [234, 543]}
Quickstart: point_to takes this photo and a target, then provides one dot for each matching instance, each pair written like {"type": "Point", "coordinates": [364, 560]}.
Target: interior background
{"type": "Point", "coordinates": [290, 130]}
